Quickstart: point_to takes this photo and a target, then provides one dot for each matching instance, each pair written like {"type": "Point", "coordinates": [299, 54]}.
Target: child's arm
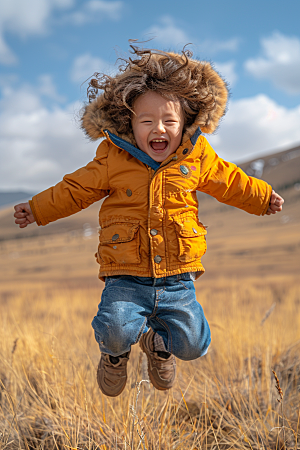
{"type": "Point", "coordinates": [23, 215]}
{"type": "Point", "coordinates": [75, 192]}
{"type": "Point", "coordinates": [231, 185]}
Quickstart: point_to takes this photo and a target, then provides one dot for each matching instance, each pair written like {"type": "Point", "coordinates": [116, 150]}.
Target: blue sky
{"type": "Point", "coordinates": [48, 48]}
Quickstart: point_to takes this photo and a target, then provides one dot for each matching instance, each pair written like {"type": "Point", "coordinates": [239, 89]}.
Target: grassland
{"type": "Point", "coordinates": [49, 398]}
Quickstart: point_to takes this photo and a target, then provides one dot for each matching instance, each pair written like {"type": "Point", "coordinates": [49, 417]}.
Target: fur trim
{"type": "Point", "coordinates": [210, 83]}
{"type": "Point", "coordinates": [214, 85]}
{"type": "Point", "coordinates": [93, 122]}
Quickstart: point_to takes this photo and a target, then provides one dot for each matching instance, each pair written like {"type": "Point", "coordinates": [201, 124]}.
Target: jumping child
{"type": "Point", "coordinates": [148, 168]}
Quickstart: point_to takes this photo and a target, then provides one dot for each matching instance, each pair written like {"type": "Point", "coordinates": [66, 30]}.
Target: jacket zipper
{"type": "Point", "coordinates": [148, 224]}
{"type": "Point", "coordinates": [161, 167]}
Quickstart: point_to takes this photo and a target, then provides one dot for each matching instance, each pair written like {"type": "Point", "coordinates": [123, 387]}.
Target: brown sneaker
{"type": "Point", "coordinates": [161, 371]}
{"type": "Point", "coordinates": [112, 377]}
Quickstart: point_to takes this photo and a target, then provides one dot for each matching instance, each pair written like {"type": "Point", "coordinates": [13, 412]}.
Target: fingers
{"type": "Point", "coordinates": [276, 203]}
{"type": "Point", "coordinates": [22, 222]}
{"type": "Point", "coordinates": [20, 215]}
{"type": "Point", "coordinates": [275, 208]}
{"type": "Point", "coordinates": [18, 207]}
{"type": "Point", "coordinates": [23, 215]}
{"type": "Point", "coordinates": [277, 200]}
{"type": "Point", "coordinates": [21, 207]}
{"type": "Point", "coordinates": [23, 225]}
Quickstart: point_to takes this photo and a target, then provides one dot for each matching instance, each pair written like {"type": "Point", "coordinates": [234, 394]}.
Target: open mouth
{"type": "Point", "coordinates": [158, 145]}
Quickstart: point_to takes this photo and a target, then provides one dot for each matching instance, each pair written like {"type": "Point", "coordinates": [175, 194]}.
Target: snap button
{"type": "Point", "coordinates": [153, 232]}
{"type": "Point", "coordinates": [115, 237]}
{"type": "Point", "coordinates": [184, 170]}
{"type": "Point", "coordinates": [114, 247]}
{"type": "Point", "coordinates": [129, 193]}
{"type": "Point", "coordinates": [194, 230]}
{"type": "Point", "coordinates": [175, 157]}
{"type": "Point", "coordinates": [157, 259]}
{"type": "Point", "coordinates": [185, 151]}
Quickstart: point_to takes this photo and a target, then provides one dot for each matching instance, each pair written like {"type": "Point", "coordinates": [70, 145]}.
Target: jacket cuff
{"type": "Point", "coordinates": [267, 200]}
{"type": "Point", "coordinates": [36, 212]}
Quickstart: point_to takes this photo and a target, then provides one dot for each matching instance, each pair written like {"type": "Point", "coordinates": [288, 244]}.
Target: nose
{"type": "Point", "coordinates": [159, 127]}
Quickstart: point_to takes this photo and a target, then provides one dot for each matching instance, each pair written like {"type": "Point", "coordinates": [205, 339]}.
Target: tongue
{"type": "Point", "coordinates": [159, 145]}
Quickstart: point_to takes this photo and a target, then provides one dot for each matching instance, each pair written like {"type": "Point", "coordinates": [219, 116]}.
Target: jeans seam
{"type": "Point", "coordinates": [184, 285]}
{"type": "Point", "coordinates": [141, 331]}
{"type": "Point", "coordinates": [160, 291]}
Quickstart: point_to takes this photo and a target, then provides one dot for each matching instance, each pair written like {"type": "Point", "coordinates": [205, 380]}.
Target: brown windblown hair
{"type": "Point", "coordinates": [200, 90]}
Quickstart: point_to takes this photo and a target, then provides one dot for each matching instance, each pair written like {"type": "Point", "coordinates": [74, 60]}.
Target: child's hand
{"type": "Point", "coordinates": [23, 215]}
{"type": "Point", "coordinates": [276, 203]}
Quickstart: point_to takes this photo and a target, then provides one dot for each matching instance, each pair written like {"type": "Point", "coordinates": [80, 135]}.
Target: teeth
{"type": "Point", "coordinates": [158, 140]}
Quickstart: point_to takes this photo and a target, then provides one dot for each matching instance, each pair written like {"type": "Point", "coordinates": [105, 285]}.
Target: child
{"type": "Point", "coordinates": [149, 166]}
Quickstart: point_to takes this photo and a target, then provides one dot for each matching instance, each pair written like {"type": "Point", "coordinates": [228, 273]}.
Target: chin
{"type": "Point", "coordinates": [158, 158]}
{"type": "Point", "coordinates": [161, 157]}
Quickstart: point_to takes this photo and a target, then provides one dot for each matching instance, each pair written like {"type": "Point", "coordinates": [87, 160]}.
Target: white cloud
{"type": "Point", "coordinates": [279, 63]}
{"type": "Point", "coordinates": [38, 145]}
{"type": "Point", "coordinates": [47, 88]}
{"type": "Point", "coordinates": [84, 66]}
{"type": "Point", "coordinates": [167, 33]}
{"type": "Point", "coordinates": [214, 46]}
{"type": "Point", "coordinates": [32, 17]}
{"type": "Point", "coordinates": [227, 71]}
{"type": "Point", "coordinates": [25, 18]}
{"type": "Point", "coordinates": [256, 126]}
{"type": "Point", "coordinates": [111, 8]}
{"type": "Point", "coordinates": [95, 10]}
{"type": "Point", "coordinates": [6, 55]}
{"type": "Point", "coordinates": [28, 98]}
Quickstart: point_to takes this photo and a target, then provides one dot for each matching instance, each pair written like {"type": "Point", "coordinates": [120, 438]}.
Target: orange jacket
{"type": "Point", "coordinates": [149, 218]}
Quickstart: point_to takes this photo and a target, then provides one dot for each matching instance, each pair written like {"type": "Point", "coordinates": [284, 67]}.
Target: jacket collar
{"type": "Point", "coordinates": [139, 154]}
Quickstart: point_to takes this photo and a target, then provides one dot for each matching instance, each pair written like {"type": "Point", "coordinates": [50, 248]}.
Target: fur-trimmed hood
{"type": "Point", "coordinates": [209, 84]}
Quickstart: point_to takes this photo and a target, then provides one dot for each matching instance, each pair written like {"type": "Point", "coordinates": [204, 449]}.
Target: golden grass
{"type": "Point", "coordinates": [49, 397]}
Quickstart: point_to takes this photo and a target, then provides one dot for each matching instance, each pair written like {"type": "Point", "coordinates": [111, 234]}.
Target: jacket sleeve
{"type": "Point", "coordinates": [229, 184]}
{"type": "Point", "coordinates": [75, 192]}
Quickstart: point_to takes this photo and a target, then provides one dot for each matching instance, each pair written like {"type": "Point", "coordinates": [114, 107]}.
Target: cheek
{"type": "Point", "coordinates": [179, 133]}
{"type": "Point", "coordinates": [140, 136]}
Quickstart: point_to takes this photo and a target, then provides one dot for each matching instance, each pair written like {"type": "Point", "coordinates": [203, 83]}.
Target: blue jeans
{"type": "Point", "coordinates": [130, 305]}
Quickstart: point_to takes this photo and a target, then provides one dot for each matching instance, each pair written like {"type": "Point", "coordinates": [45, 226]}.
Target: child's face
{"type": "Point", "coordinates": [157, 125]}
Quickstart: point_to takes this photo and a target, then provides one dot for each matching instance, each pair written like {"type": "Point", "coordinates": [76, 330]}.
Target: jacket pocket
{"type": "Point", "coordinates": [191, 237]}
{"type": "Point", "coordinates": [119, 244]}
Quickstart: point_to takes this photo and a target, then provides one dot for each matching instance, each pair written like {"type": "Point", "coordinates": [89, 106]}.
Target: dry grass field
{"type": "Point", "coordinates": [228, 399]}
{"type": "Point", "coordinates": [49, 397]}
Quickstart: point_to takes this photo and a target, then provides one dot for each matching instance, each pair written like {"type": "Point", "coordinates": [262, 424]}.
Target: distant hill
{"type": "Point", "coordinates": [239, 244]}
{"type": "Point", "coordinates": [281, 170]}
{"type": "Point", "coordinates": [6, 198]}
